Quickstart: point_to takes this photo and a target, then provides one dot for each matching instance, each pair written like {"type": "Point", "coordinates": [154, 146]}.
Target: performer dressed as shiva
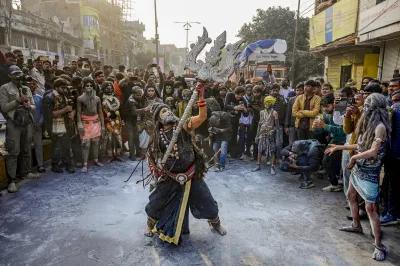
{"type": "Point", "coordinates": [180, 181]}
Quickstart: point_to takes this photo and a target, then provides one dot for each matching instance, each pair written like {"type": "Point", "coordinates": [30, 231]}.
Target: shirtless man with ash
{"type": "Point", "coordinates": [90, 122]}
{"type": "Point", "coordinates": [266, 132]}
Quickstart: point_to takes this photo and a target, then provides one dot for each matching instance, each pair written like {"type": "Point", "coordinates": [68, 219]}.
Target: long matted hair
{"type": "Point", "coordinates": [375, 112]}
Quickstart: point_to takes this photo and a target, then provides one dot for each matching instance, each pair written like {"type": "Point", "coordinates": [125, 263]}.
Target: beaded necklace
{"type": "Point", "coordinates": [166, 142]}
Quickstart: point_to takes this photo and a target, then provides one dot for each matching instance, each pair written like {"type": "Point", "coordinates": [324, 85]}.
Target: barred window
{"type": "Point", "coordinates": [42, 44]}
{"type": "Point", "coordinates": [67, 49]}
{"type": "Point", "coordinates": [29, 41]}
{"type": "Point", "coordinates": [16, 39]}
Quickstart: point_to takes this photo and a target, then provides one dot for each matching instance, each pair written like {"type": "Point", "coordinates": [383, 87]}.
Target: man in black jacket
{"type": "Point", "coordinates": [236, 106]}
{"type": "Point", "coordinates": [280, 108]}
{"type": "Point", "coordinates": [304, 157]}
{"type": "Point", "coordinates": [220, 128]}
{"type": "Point", "coordinates": [136, 109]}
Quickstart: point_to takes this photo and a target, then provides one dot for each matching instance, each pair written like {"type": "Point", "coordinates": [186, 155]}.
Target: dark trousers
{"type": "Point", "coordinates": [233, 143]}
{"type": "Point", "coordinates": [245, 136]}
{"type": "Point", "coordinates": [77, 149]}
{"type": "Point", "coordinates": [19, 141]}
{"type": "Point", "coordinates": [254, 128]}
{"type": "Point", "coordinates": [332, 164]}
{"type": "Point", "coordinates": [133, 137]}
{"type": "Point", "coordinates": [61, 149]}
{"type": "Point", "coordinates": [301, 160]}
{"type": "Point", "coordinates": [201, 202]}
{"type": "Point", "coordinates": [393, 185]}
{"type": "Point", "coordinates": [303, 134]}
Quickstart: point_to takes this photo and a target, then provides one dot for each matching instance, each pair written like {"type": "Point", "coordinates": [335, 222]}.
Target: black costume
{"type": "Point", "coordinates": [169, 202]}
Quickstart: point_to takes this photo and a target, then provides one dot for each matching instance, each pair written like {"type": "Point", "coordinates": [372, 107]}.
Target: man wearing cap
{"type": "Point", "coordinates": [17, 104]}
{"type": "Point", "coordinates": [38, 74]}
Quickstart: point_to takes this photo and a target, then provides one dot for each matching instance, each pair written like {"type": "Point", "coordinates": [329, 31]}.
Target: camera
{"type": "Point", "coordinates": [351, 101]}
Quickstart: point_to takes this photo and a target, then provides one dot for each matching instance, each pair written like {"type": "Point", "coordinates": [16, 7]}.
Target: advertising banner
{"type": "Point", "coordinates": [335, 22]}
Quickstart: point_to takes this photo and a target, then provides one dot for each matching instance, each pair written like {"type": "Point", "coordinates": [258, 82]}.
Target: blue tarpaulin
{"type": "Point", "coordinates": [263, 44]}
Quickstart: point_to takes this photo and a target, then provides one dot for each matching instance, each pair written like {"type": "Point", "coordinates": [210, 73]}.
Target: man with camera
{"type": "Point", "coordinates": [304, 157]}
{"type": "Point", "coordinates": [236, 106]}
{"type": "Point", "coordinates": [18, 106]}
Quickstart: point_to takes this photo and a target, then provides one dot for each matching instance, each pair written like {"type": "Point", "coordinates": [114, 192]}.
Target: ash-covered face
{"type": "Point", "coordinates": [167, 116]}
{"type": "Point", "coordinates": [88, 87]}
{"type": "Point", "coordinates": [268, 105]}
{"type": "Point", "coordinates": [109, 90]}
{"type": "Point", "coordinates": [168, 90]}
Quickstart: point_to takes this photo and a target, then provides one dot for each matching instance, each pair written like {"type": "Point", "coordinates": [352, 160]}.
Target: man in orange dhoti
{"type": "Point", "coordinates": [90, 122]}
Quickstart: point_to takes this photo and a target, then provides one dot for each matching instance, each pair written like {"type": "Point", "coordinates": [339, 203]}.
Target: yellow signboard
{"type": "Point", "coordinates": [335, 22]}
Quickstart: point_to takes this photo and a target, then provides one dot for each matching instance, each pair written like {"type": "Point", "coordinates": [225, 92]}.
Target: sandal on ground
{"type": "Point", "coordinates": [352, 229]}
{"type": "Point", "coordinates": [379, 253]}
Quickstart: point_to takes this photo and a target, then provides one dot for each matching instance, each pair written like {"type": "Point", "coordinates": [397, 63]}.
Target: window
{"type": "Point", "coordinates": [16, 39]}
{"type": "Point", "coordinates": [379, 1]}
{"type": "Point", "coordinates": [42, 44]}
{"type": "Point", "coordinates": [67, 48]}
{"type": "Point", "coordinates": [2, 36]}
{"type": "Point", "coordinates": [52, 46]}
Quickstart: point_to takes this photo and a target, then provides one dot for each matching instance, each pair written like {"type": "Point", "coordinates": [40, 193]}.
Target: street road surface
{"type": "Point", "coordinates": [97, 219]}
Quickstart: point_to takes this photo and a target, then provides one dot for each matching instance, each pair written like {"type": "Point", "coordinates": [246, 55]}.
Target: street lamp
{"type": "Point", "coordinates": [156, 24]}
{"type": "Point", "coordinates": [187, 25]}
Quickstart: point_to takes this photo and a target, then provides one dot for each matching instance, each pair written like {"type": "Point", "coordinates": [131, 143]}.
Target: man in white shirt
{"type": "Point", "coordinates": [37, 74]}
{"type": "Point", "coordinates": [285, 89]}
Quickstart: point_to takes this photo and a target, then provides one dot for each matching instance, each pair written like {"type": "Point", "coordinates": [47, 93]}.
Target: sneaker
{"type": "Point", "coordinates": [12, 188]}
{"type": "Point", "coordinates": [388, 220]}
{"type": "Point", "coordinates": [56, 169]}
{"type": "Point", "coordinates": [273, 171]}
{"type": "Point", "coordinates": [332, 188]}
{"type": "Point", "coordinates": [84, 169]}
{"type": "Point", "coordinates": [41, 169]}
{"type": "Point", "coordinates": [307, 184]}
{"type": "Point", "coordinates": [253, 159]}
{"type": "Point", "coordinates": [258, 168]}
{"type": "Point", "coordinates": [31, 176]}
{"type": "Point", "coordinates": [321, 172]}
{"type": "Point", "coordinates": [268, 163]}
{"type": "Point", "coordinates": [241, 157]}
{"type": "Point", "coordinates": [132, 158]}
{"type": "Point", "coordinates": [98, 164]}
{"type": "Point", "coordinates": [70, 170]}
{"type": "Point", "coordinates": [217, 168]}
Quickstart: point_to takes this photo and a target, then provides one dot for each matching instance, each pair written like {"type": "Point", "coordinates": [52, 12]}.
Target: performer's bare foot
{"type": "Point", "coordinates": [149, 232]}
{"type": "Point", "coordinates": [220, 230]}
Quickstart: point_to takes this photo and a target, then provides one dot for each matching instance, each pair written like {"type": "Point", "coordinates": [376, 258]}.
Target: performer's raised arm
{"type": "Point", "coordinates": [196, 121]}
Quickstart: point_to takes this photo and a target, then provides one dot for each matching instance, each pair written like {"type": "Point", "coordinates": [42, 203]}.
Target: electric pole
{"type": "Point", "coordinates": [294, 41]}
{"type": "Point", "coordinates": [156, 36]}
{"type": "Point", "coordinates": [187, 25]}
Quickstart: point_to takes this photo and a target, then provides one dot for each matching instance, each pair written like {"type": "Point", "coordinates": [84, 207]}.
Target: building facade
{"type": "Point", "coordinates": [379, 25]}
{"type": "Point", "coordinates": [36, 36]}
{"type": "Point", "coordinates": [334, 35]}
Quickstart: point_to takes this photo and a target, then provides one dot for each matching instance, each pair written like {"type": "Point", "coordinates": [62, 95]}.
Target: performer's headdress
{"type": "Point", "coordinates": [269, 99]}
{"type": "Point", "coordinates": [156, 108]}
